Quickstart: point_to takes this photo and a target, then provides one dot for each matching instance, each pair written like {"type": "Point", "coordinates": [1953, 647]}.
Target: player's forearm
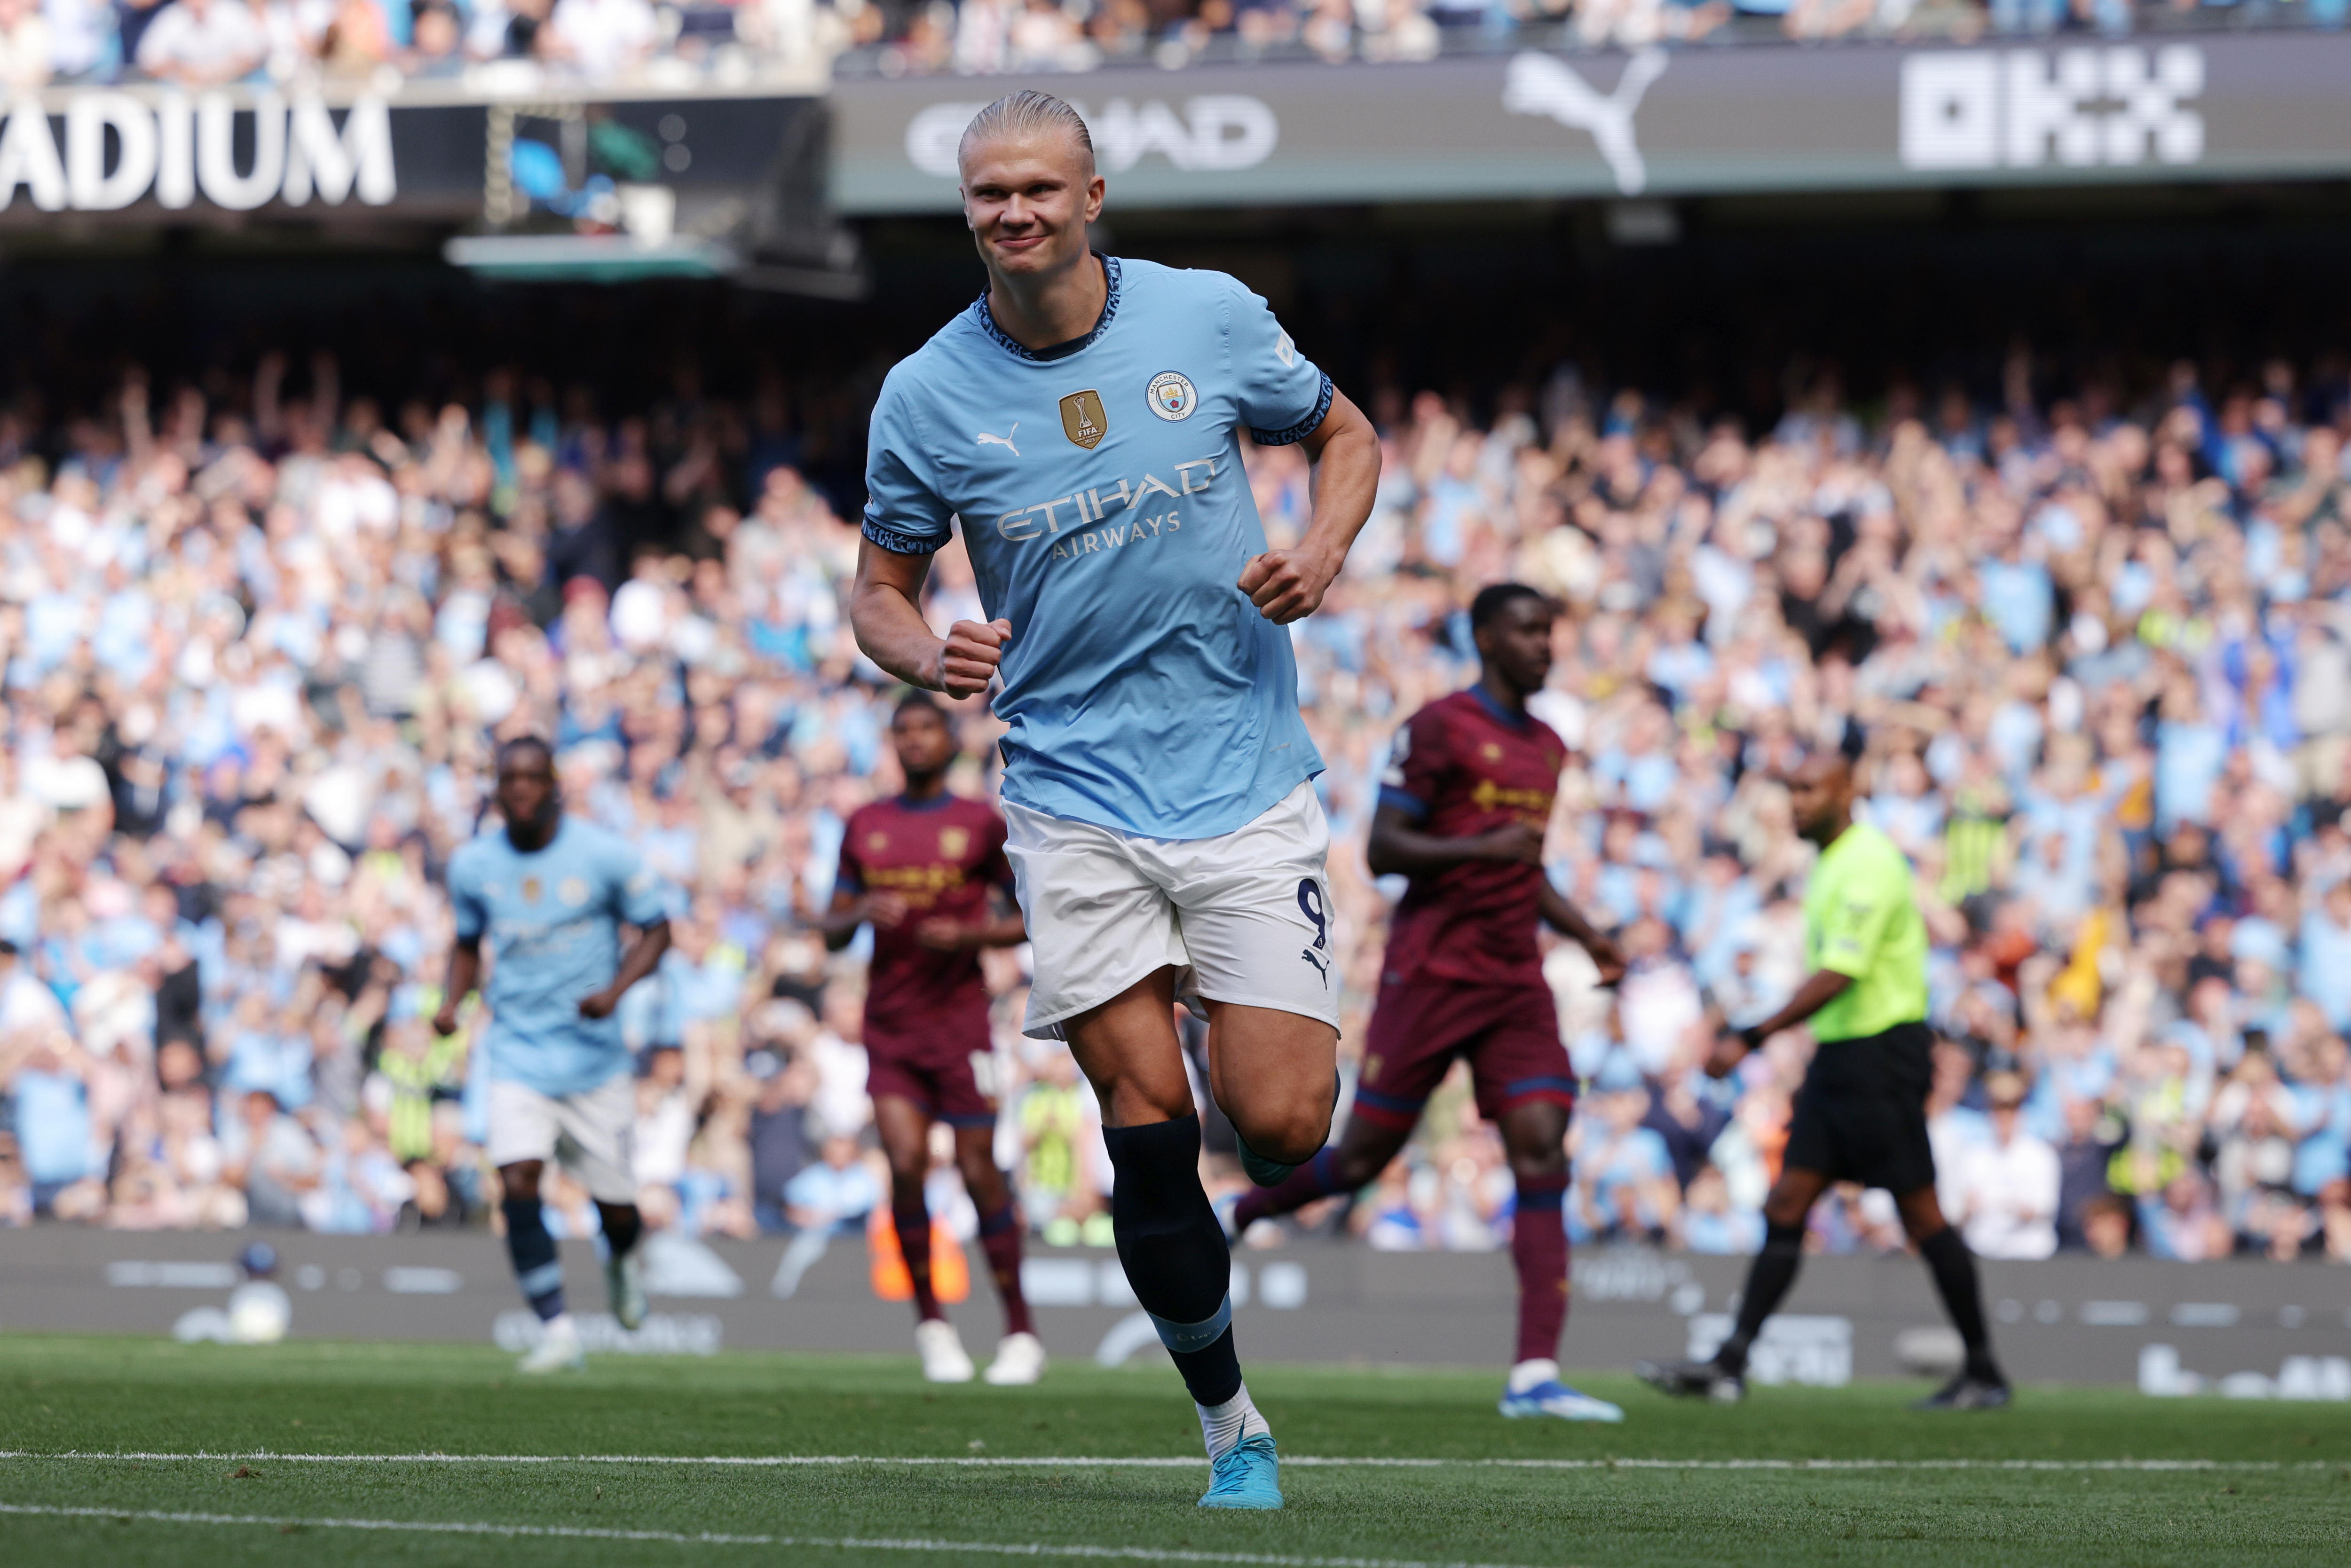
{"type": "Point", "coordinates": [643, 955]}
{"type": "Point", "coordinates": [1398, 851]}
{"type": "Point", "coordinates": [1820, 988]}
{"type": "Point", "coordinates": [891, 629]}
{"type": "Point", "coordinates": [464, 970]}
{"type": "Point", "coordinates": [1565, 918]}
{"type": "Point", "coordinates": [838, 923]}
{"type": "Point", "coordinates": [1346, 478]}
{"type": "Point", "coordinates": [999, 931]}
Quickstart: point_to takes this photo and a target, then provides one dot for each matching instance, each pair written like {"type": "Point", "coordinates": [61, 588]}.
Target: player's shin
{"type": "Point", "coordinates": [912, 1217]}
{"type": "Point", "coordinates": [999, 1238]}
{"type": "Point", "coordinates": [532, 1250]}
{"type": "Point", "coordinates": [1768, 1281]}
{"type": "Point", "coordinates": [1177, 1261]}
{"type": "Point", "coordinates": [1538, 1248]}
{"type": "Point", "coordinates": [1954, 1269]}
{"type": "Point", "coordinates": [1318, 1177]}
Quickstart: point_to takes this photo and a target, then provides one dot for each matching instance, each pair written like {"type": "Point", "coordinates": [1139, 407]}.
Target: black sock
{"type": "Point", "coordinates": [1954, 1269]}
{"type": "Point", "coordinates": [1767, 1279]}
{"type": "Point", "coordinates": [1173, 1250]}
{"type": "Point", "coordinates": [622, 1225]}
{"type": "Point", "coordinates": [533, 1251]}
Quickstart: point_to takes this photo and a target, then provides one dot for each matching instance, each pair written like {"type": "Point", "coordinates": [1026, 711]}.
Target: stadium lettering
{"type": "Point", "coordinates": [1980, 108]}
{"type": "Point", "coordinates": [175, 149]}
{"type": "Point", "coordinates": [1037, 521]}
{"type": "Point", "coordinates": [1213, 133]}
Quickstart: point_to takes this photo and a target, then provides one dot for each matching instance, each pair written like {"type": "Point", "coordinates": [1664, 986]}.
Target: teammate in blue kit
{"type": "Point", "coordinates": [550, 892]}
{"type": "Point", "coordinates": [1082, 419]}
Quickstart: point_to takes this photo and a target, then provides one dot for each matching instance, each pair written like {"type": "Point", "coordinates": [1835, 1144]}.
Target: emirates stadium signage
{"type": "Point", "coordinates": [1655, 122]}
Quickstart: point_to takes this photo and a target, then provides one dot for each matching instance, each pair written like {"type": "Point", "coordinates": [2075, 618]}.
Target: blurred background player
{"type": "Point", "coordinates": [1083, 417]}
{"type": "Point", "coordinates": [1861, 1114]}
{"type": "Point", "coordinates": [928, 871]}
{"type": "Point", "coordinates": [550, 892]}
{"type": "Point", "coordinates": [1462, 813]}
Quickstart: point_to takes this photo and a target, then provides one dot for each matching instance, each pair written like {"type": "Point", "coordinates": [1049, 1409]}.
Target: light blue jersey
{"type": "Point", "coordinates": [552, 921]}
{"type": "Point", "coordinates": [1107, 514]}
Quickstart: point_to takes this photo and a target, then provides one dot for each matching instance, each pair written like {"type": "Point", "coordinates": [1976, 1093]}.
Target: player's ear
{"type": "Point", "coordinates": [1094, 189]}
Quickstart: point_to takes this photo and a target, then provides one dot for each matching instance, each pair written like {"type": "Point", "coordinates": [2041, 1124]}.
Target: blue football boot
{"type": "Point", "coordinates": [1248, 1475]}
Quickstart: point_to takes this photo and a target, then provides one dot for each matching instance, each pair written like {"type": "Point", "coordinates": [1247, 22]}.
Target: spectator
{"type": "Point", "coordinates": [203, 43]}
{"type": "Point", "coordinates": [835, 1195]}
{"type": "Point", "coordinates": [2008, 1183]}
{"type": "Point", "coordinates": [25, 58]}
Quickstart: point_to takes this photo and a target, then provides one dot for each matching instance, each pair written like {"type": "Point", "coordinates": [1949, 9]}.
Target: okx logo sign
{"type": "Point", "coordinates": [2023, 108]}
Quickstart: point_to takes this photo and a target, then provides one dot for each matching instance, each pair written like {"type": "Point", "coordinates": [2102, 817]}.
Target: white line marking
{"type": "Point", "coordinates": [1069, 1461]}
{"type": "Point", "coordinates": [712, 1538]}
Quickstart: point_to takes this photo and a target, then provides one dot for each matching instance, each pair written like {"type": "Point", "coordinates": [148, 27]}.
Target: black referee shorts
{"type": "Point", "coordinates": [1861, 1114]}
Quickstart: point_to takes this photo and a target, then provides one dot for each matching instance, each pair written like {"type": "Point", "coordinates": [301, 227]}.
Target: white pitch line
{"type": "Point", "coordinates": [712, 1538]}
{"type": "Point", "coordinates": [1069, 1461]}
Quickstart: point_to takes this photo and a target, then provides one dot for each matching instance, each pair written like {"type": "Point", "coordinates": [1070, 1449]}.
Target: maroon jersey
{"type": "Point", "coordinates": [1463, 767]}
{"type": "Point", "coordinates": [941, 856]}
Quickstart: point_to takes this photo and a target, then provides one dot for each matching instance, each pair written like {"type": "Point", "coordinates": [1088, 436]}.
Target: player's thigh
{"type": "Point", "coordinates": [524, 1124]}
{"type": "Point", "coordinates": [1275, 1072]}
{"type": "Point", "coordinates": [598, 1128]}
{"type": "Point", "coordinates": [1127, 1049]}
{"type": "Point", "coordinates": [1097, 924]}
{"type": "Point", "coordinates": [1517, 1058]}
{"type": "Point", "coordinates": [1417, 1030]}
{"type": "Point", "coordinates": [1255, 911]}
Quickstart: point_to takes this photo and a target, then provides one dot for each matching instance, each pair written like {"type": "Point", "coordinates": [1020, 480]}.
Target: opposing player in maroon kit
{"type": "Point", "coordinates": [1462, 812]}
{"type": "Point", "coordinates": [928, 871]}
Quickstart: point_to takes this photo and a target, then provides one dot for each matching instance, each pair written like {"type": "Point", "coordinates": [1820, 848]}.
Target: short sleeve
{"type": "Point", "coordinates": [1283, 394]}
{"type": "Point", "coordinates": [1853, 921]}
{"type": "Point", "coordinates": [904, 513]}
{"type": "Point", "coordinates": [636, 892]}
{"type": "Point", "coordinates": [1416, 764]}
{"type": "Point", "coordinates": [465, 902]}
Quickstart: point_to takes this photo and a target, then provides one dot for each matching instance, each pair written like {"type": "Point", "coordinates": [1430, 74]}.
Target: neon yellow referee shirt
{"type": "Point", "coordinates": [1860, 920]}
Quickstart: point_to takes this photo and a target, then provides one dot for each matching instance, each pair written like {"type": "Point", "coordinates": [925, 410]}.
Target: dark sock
{"type": "Point", "coordinates": [533, 1251]}
{"type": "Point", "coordinates": [1539, 1248]}
{"type": "Point", "coordinates": [999, 1238]}
{"type": "Point", "coordinates": [1767, 1279]}
{"type": "Point", "coordinates": [622, 1226]}
{"type": "Point", "coordinates": [1173, 1251]}
{"type": "Point", "coordinates": [1954, 1269]}
{"type": "Point", "coordinates": [1318, 1177]}
{"type": "Point", "coordinates": [913, 1223]}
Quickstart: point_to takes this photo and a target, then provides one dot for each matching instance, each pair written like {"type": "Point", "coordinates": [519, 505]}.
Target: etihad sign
{"type": "Point", "coordinates": [1212, 133]}
{"type": "Point", "coordinates": [2024, 109]}
{"type": "Point", "coordinates": [118, 148]}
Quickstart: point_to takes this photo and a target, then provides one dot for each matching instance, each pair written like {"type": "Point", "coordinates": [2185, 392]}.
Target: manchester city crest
{"type": "Point", "coordinates": [1171, 395]}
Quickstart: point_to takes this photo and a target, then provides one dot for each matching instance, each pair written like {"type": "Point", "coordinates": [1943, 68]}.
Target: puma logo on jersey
{"type": "Point", "coordinates": [1004, 440]}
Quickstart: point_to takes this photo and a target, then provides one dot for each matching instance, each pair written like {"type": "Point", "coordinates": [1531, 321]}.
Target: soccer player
{"type": "Point", "coordinates": [1083, 418]}
{"type": "Point", "coordinates": [550, 892]}
{"type": "Point", "coordinates": [920, 870]}
{"type": "Point", "coordinates": [1462, 812]}
{"type": "Point", "coordinates": [1861, 1114]}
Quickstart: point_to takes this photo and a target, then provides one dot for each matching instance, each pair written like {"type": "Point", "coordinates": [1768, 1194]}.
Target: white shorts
{"type": "Point", "coordinates": [1244, 917]}
{"type": "Point", "coordinates": [589, 1133]}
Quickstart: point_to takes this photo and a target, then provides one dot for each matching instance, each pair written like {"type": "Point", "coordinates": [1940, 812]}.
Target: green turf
{"type": "Point", "coordinates": [112, 1396]}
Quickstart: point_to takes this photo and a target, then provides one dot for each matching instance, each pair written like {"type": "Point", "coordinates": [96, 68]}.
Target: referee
{"type": "Point", "coordinates": [1861, 1114]}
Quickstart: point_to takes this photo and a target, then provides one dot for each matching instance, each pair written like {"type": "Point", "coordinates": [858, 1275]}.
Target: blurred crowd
{"type": "Point", "coordinates": [260, 634]}
{"type": "Point", "coordinates": [209, 43]}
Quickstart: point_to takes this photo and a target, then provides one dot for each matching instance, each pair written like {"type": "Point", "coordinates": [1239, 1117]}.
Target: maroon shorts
{"type": "Point", "coordinates": [931, 1063]}
{"type": "Point", "coordinates": [1510, 1034]}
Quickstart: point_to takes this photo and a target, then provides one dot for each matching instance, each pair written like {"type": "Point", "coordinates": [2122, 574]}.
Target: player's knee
{"type": "Point", "coordinates": [906, 1182]}
{"type": "Point", "coordinates": [1290, 1133]}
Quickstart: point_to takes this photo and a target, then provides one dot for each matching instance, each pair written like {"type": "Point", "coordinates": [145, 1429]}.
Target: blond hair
{"type": "Point", "coordinates": [1017, 113]}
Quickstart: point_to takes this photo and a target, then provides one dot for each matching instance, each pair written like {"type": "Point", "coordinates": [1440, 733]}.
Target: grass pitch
{"type": "Point", "coordinates": [185, 1456]}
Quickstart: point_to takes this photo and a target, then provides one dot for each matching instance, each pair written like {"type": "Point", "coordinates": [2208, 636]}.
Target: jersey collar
{"type": "Point", "coordinates": [1502, 715]}
{"type": "Point", "coordinates": [986, 317]}
{"type": "Point", "coordinates": [940, 802]}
